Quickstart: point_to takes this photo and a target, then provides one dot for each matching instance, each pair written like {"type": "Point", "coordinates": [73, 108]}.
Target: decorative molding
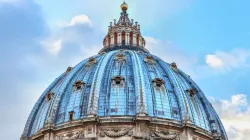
{"type": "Point", "coordinates": [164, 134]}
{"type": "Point", "coordinates": [79, 135]}
{"type": "Point", "coordinates": [115, 132]}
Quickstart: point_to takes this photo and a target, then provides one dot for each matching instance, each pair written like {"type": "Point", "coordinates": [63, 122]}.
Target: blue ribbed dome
{"type": "Point", "coordinates": [124, 83]}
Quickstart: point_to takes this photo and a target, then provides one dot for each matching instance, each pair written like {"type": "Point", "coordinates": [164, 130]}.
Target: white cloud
{"type": "Point", "coordinates": [76, 40]}
{"type": "Point", "coordinates": [169, 52]}
{"type": "Point", "coordinates": [76, 20]}
{"type": "Point", "coordinates": [235, 115]}
{"type": "Point", "coordinates": [78, 33]}
{"type": "Point", "coordinates": [80, 19]}
{"type": "Point", "coordinates": [214, 61]}
{"type": "Point", "coordinates": [227, 61]}
{"type": "Point", "coordinates": [53, 46]}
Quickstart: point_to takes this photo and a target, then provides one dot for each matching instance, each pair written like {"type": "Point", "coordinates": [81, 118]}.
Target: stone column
{"type": "Point", "coordinates": [49, 136]}
{"type": "Point", "coordinates": [187, 134]}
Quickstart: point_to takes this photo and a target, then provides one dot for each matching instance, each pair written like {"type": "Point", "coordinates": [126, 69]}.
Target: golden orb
{"type": "Point", "coordinates": [124, 6]}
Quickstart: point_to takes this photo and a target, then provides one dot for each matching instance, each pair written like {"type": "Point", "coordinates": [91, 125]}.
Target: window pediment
{"type": "Point", "coordinates": [118, 80]}
{"type": "Point", "coordinates": [120, 57]}
{"type": "Point", "coordinates": [78, 85]}
{"type": "Point", "coordinates": [174, 66]}
{"type": "Point", "coordinates": [68, 69]}
{"type": "Point", "coordinates": [158, 83]}
{"type": "Point", "coordinates": [191, 92]}
{"type": "Point", "coordinates": [91, 61]}
{"type": "Point", "coordinates": [149, 59]}
{"type": "Point", "coordinates": [49, 96]}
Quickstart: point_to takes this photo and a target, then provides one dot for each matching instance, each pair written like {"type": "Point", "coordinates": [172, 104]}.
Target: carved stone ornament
{"type": "Point", "coordinates": [165, 135]}
{"type": "Point", "coordinates": [115, 132]}
{"type": "Point", "coordinates": [120, 57]}
{"type": "Point", "coordinates": [91, 61]}
{"type": "Point", "coordinates": [79, 135]}
{"type": "Point", "coordinates": [149, 59]}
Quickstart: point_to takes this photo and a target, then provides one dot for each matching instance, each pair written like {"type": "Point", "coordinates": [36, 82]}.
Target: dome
{"type": "Point", "coordinates": [123, 92]}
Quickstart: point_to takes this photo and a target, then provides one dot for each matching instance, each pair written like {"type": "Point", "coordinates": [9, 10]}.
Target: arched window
{"type": "Point", "coordinates": [158, 83]}
{"type": "Point", "coordinates": [118, 81]}
{"type": "Point", "coordinates": [49, 96]}
{"type": "Point", "coordinates": [78, 85]}
{"type": "Point", "coordinates": [123, 38]}
{"type": "Point", "coordinates": [109, 40]}
{"type": "Point", "coordinates": [191, 92]}
{"type": "Point", "coordinates": [137, 41]}
{"type": "Point", "coordinates": [131, 39]}
{"type": "Point", "coordinates": [175, 112]}
{"type": "Point", "coordinates": [115, 39]}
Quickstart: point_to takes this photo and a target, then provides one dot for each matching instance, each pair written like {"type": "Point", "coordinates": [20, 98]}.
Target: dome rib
{"type": "Point", "coordinates": [95, 89]}
{"type": "Point", "coordinates": [139, 82]}
{"type": "Point", "coordinates": [195, 102]}
{"type": "Point", "coordinates": [36, 107]}
{"type": "Point", "coordinates": [178, 90]}
{"type": "Point", "coordinates": [60, 93]}
{"type": "Point", "coordinates": [105, 91]}
{"type": "Point", "coordinates": [174, 103]}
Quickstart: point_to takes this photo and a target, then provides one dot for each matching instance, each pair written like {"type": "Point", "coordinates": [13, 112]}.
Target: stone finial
{"type": "Point", "coordinates": [68, 69]}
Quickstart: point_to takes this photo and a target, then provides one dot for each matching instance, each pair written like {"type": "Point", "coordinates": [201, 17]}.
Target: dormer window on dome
{"type": "Point", "coordinates": [120, 57]}
{"type": "Point", "coordinates": [118, 81]}
{"type": "Point", "coordinates": [175, 112]}
{"type": "Point", "coordinates": [158, 83]}
{"type": "Point", "coordinates": [149, 59]}
{"type": "Point", "coordinates": [174, 66]}
{"type": "Point", "coordinates": [91, 61]}
{"type": "Point", "coordinates": [49, 96]}
{"type": "Point", "coordinates": [191, 92]}
{"type": "Point", "coordinates": [78, 85]}
{"type": "Point", "coordinates": [68, 69]}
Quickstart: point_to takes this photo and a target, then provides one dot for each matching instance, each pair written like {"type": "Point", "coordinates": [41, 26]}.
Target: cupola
{"type": "Point", "coordinates": [124, 34]}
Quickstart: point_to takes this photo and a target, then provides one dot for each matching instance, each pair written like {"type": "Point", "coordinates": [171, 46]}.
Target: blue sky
{"type": "Point", "coordinates": [209, 40]}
